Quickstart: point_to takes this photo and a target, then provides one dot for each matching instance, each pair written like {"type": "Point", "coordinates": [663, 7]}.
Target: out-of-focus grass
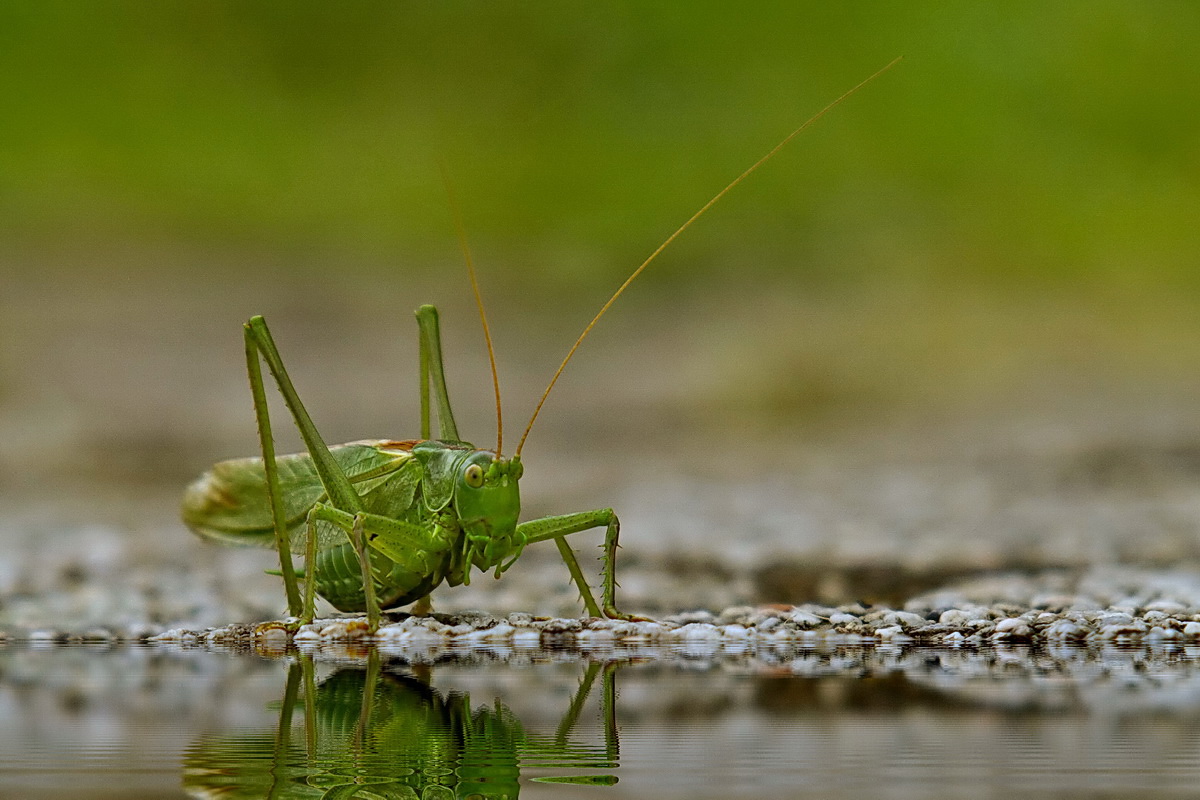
{"type": "Point", "coordinates": [1009, 214]}
{"type": "Point", "coordinates": [1015, 143]}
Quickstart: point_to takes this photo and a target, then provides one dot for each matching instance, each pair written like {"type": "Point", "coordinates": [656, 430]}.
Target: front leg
{"type": "Point", "coordinates": [557, 528]}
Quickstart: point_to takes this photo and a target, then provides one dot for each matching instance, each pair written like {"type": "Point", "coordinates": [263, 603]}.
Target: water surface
{"type": "Point", "coordinates": [88, 721]}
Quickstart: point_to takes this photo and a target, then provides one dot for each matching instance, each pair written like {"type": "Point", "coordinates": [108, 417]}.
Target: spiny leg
{"type": "Point", "coordinates": [310, 566]}
{"type": "Point", "coordinates": [585, 591]}
{"type": "Point", "coordinates": [337, 486]}
{"type": "Point", "coordinates": [432, 371]}
{"type": "Point", "coordinates": [539, 530]}
{"type": "Point", "coordinates": [274, 493]}
{"type": "Point", "coordinates": [352, 525]}
{"type": "Point", "coordinates": [364, 560]}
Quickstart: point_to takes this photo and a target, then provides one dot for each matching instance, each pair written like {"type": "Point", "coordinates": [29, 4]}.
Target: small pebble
{"type": "Point", "coordinates": [1065, 629]}
{"type": "Point", "coordinates": [1167, 607]}
{"type": "Point", "coordinates": [734, 631]}
{"type": "Point", "coordinates": [804, 620]}
{"type": "Point", "coordinates": [562, 626]}
{"type": "Point", "coordinates": [593, 636]}
{"type": "Point", "coordinates": [697, 631]}
{"type": "Point", "coordinates": [527, 637]}
{"type": "Point", "coordinates": [890, 632]}
{"type": "Point", "coordinates": [904, 619]}
{"type": "Point", "coordinates": [1120, 631]}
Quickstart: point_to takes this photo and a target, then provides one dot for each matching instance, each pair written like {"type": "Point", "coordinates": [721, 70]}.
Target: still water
{"type": "Point", "coordinates": [133, 722]}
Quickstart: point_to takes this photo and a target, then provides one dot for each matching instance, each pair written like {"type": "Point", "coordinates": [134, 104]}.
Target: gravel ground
{"type": "Point", "coordinates": [1111, 606]}
{"type": "Point", "coordinates": [1069, 521]}
{"type": "Point", "coordinates": [1114, 606]}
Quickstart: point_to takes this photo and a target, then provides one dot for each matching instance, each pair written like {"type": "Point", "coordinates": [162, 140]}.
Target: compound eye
{"type": "Point", "coordinates": [474, 476]}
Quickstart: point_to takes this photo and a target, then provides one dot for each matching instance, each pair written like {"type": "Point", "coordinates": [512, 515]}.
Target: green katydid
{"type": "Point", "coordinates": [384, 522]}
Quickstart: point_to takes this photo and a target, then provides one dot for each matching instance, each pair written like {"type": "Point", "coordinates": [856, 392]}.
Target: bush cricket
{"type": "Point", "coordinates": [382, 523]}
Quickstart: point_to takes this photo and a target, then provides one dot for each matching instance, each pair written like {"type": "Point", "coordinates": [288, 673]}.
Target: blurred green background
{"type": "Point", "coordinates": [1008, 215]}
{"type": "Point", "coordinates": [1023, 142]}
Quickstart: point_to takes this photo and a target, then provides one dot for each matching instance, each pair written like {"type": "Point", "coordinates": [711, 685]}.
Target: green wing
{"type": "Point", "coordinates": [229, 502]}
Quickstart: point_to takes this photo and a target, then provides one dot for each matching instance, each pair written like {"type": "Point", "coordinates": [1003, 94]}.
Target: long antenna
{"type": "Point", "coordinates": [675, 235]}
{"type": "Point", "coordinates": [487, 333]}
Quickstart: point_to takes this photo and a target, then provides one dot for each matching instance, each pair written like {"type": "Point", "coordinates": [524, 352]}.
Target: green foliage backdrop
{"type": "Point", "coordinates": [1016, 142]}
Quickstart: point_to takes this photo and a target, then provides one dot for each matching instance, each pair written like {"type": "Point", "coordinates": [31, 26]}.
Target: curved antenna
{"type": "Point", "coordinates": [570, 353]}
{"type": "Point", "coordinates": [487, 333]}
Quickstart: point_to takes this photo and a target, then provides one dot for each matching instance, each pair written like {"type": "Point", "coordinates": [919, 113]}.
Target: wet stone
{"type": "Point", "coordinates": [740, 615]}
{"type": "Point", "coordinates": [697, 631]}
{"type": "Point", "coordinates": [1065, 629]}
{"type": "Point", "coordinates": [1123, 631]}
{"type": "Point", "coordinates": [904, 619]}
{"type": "Point", "coordinates": [955, 616]}
{"type": "Point", "coordinates": [689, 617]}
{"type": "Point", "coordinates": [562, 626]}
{"type": "Point", "coordinates": [527, 638]}
{"type": "Point", "coordinates": [1169, 607]}
{"type": "Point", "coordinates": [1013, 629]}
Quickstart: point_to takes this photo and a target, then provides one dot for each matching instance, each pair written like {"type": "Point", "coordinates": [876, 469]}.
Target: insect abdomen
{"type": "Point", "coordinates": [340, 581]}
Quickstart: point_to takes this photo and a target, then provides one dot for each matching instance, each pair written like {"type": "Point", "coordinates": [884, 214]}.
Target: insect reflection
{"type": "Point", "coordinates": [375, 733]}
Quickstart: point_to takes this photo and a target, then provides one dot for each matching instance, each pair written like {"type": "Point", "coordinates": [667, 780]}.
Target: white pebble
{"type": "Point", "coordinates": [697, 631]}
{"type": "Point", "coordinates": [527, 637]}
{"type": "Point", "coordinates": [1166, 606]}
{"type": "Point", "coordinates": [734, 631]}
{"type": "Point", "coordinates": [804, 619]}
{"type": "Point", "coordinates": [499, 632]}
{"type": "Point", "coordinates": [1012, 628]}
{"type": "Point", "coordinates": [172, 635]}
{"type": "Point", "coordinates": [1159, 632]}
{"type": "Point", "coordinates": [593, 636]}
{"type": "Point", "coordinates": [889, 633]}
{"type": "Point", "coordinates": [1123, 631]}
{"type": "Point", "coordinates": [653, 630]}
{"type": "Point", "coordinates": [905, 619]}
{"type": "Point", "coordinates": [1066, 629]}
